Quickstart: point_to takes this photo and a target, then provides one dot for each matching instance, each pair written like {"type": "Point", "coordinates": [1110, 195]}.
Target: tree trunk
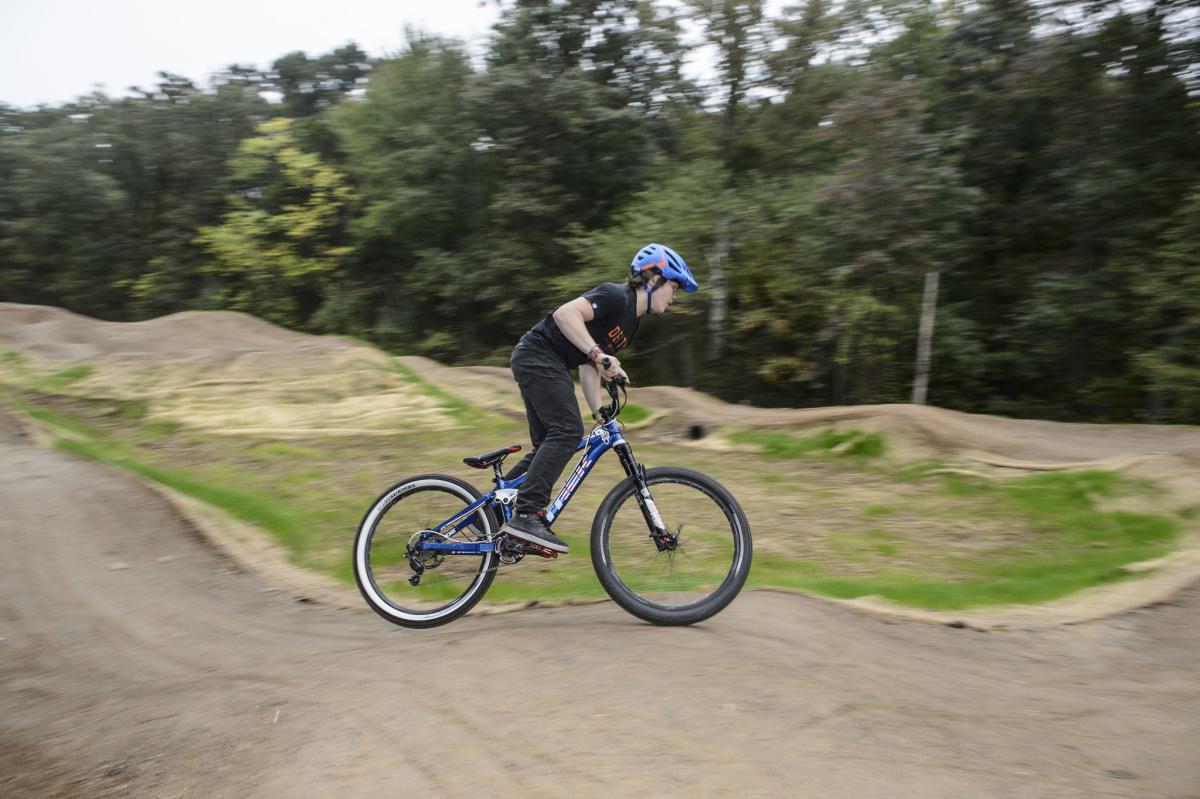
{"type": "Point", "coordinates": [719, 292]}
{"type": "Point", "coordinates": [925, 338]}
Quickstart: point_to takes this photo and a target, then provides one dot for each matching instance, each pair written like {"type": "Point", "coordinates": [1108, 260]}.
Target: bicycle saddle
{"type": "Point", "coordinates": [488, 458]}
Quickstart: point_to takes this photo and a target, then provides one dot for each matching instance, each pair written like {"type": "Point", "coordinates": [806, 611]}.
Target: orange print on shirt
{"type": "Point", "coordinates": [616, 337]}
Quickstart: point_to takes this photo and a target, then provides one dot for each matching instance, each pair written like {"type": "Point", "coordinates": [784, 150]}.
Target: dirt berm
{"type": "Point", "coordinates": [232, 373]}
{"type": "Point", "coordinates": [226, 347]}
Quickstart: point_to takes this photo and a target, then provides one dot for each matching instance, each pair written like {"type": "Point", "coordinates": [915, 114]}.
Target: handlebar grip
{"type": "Point", "coordinates": [617, 380]}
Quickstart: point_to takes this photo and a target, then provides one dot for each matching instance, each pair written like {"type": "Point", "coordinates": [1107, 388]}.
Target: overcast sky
{"type": "Point", "coordinates": [52, 51]}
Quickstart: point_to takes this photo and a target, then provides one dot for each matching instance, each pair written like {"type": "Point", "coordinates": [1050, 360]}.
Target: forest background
{"type": "Point", "coordinates": [1032, 166]}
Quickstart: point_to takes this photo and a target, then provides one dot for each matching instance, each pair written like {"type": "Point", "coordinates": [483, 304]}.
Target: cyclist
{"type": "Point", "coordinates": [586, 332]}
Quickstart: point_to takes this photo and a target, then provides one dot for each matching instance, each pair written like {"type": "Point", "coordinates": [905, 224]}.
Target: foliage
{"type": "Point", "coordinates": [276, 250]}
{"type": "Point", "coordinates": [1170, 291]}
{"type": "Point", "coordinates": [1043, 158]}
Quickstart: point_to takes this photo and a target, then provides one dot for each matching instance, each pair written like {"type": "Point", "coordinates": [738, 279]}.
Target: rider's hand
{"type": "Point", "coordinates": [609, 367]}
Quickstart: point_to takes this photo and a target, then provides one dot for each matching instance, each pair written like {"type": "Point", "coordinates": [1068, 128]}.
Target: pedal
{"type": "Point", "coordinates": [534, 549]}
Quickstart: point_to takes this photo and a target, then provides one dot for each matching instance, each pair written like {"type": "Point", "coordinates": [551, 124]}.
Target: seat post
{"type": "Point", "coordinates": [496, 469]}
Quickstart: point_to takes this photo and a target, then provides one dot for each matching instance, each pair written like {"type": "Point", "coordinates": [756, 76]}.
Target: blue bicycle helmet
{"type": "Point", "coordinates": [667, 262]}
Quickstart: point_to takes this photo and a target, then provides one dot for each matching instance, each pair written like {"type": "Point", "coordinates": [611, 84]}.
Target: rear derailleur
{"type": "Point", "coordinates": [420, 560]}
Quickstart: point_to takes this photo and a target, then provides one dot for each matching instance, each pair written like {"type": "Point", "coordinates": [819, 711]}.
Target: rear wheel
{"type": "Point", "coordinates": [691, 575]}
{"type": "Point", "coordinates": [387, 556]}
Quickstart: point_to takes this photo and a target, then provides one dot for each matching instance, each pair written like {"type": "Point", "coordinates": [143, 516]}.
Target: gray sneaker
{"type": "Point", "coordinates": [532, 528]}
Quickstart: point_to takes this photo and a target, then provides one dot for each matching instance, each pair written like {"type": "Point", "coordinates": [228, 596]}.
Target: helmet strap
{"type": "Point", "coordinates": [650, 291]}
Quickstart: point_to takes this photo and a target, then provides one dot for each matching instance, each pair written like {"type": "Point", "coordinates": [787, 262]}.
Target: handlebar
{"type": "Point", "coordinates": [607, 362]}
{"type": "Point", "coordinates": [611, 410]}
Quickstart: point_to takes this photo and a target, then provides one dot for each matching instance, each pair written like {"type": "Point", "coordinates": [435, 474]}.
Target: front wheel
{"type": "Point", "coordinates": [696, 571]}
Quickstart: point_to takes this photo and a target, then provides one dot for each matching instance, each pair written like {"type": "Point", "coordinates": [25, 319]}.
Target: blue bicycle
{"type": "Point", "coordinates": [669, 545]}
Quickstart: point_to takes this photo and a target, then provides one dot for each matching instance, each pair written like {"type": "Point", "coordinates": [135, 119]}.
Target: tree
{"type": "Point", "coordinates": [413, 149]}
{"type": "Point", "coordinates": [1170, 291]}
{"type": "Point", "coordinates": [896, 208]}
{"type": "Point", "coordinates": [280, 244]}
{"type": "Point", "coordinates": [736, 28]}
{"type": "Point", "coordinates": [312, 85]}
{"type": "Point", "coordinates": [1082, 145]}
{"type": "Point", "coordinates": [64, 218]}
{"type": "Point", "coordinates": [572, 121]}
{"type": "Point", "coordinates": [170, 151]}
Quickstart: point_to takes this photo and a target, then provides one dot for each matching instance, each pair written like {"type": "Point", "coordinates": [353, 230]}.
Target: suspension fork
{"type": "Point", "coordinates": [658, 529]}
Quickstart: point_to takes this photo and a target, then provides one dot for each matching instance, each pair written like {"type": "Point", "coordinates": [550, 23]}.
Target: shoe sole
{"type": "Point", "coordinates": [533, 539]}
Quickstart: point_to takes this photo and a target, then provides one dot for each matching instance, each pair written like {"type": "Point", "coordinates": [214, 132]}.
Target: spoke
{"type": "Point", "coordinates": [702, 564]}
{"type": "Point", "coordinates": [445, 576]}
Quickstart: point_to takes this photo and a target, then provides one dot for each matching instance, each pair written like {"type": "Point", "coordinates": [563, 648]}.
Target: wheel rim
{"type": "Point", "coordinates": [449, 581]}
{"type": "Point", "coordinates": [707, 556]}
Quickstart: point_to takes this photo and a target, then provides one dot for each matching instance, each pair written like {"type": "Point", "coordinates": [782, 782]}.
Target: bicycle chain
{"type": "Point", "coordinates": [531, 549]}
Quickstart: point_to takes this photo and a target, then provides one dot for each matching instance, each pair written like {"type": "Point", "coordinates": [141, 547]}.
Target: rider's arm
{"type": "Point", "coordinates": [589, 378]}
{"type": "Point", "coordinates": [572, 318]}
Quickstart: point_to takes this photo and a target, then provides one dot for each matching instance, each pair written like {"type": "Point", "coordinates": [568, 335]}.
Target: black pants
{"type": "Point", "coordinates": [555, 426]}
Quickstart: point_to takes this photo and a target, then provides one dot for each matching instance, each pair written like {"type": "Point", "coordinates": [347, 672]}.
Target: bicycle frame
{"type": "Point", "coordinates": [603, 438]}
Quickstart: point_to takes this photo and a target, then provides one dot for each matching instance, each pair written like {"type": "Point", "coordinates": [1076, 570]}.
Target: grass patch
{"type": "Point", "coordinates": [258, 509]}
{"type": "Point", "coordinates": [52, 417]}
{"type": "Point", "coordinates": [278, 450]}
{"type": "Point", "coordinates": [775, 571]}
{"type": "Point", "coordinates": [1061, 506]}
{"type": "Point", "coordinates": [263, 510]}
{"type": "Point", "coordinates": [1072, 545]}
{"type": "Point", "coordinates": [1010, 583]}
{"type": "Point", "coordinates": [159, 428]}
{"type": "Point", "coordinates": [633, 413]}
{"type": "Point", "coordinates": [64, 410]}
{"type": "Point", "coordinates": [14, 364]}
{"type": "Point", "coordinates": [462, 412]}
{"type": "Point", "coordinates": [866, 546]}
{"type": "Point", "coordinates": [775, 445]}
{"type": "Point", "coordinates": [919, 471]}
{"type": "Point", "coordinates": [60, 380]}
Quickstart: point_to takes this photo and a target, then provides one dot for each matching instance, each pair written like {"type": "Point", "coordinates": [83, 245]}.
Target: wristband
{"type": "Point", "coordinates": [595, 353]}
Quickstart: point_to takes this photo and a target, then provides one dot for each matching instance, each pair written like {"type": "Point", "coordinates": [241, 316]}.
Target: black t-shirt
{"type": "Point", "coordinates": [614, 325]}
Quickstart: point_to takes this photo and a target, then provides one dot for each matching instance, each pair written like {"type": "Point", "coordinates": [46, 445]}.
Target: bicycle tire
{"type": "Point", "coordinates": [385, 602]}
{"type": "Point", "coordinates": [633, 593]}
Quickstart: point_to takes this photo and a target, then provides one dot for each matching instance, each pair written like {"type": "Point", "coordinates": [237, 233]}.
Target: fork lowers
{"type": "Point", "coordinates": [666, 542]}
{"type": "Point", "coordinates": [640, 557]}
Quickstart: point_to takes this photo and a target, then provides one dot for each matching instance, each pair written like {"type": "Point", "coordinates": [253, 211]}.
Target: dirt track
{"type": "Point", "coordinates": [134, 661]}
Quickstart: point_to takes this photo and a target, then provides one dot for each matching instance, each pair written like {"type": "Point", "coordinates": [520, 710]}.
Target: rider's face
{"type": "Point", "coordinates": [663, 296]}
